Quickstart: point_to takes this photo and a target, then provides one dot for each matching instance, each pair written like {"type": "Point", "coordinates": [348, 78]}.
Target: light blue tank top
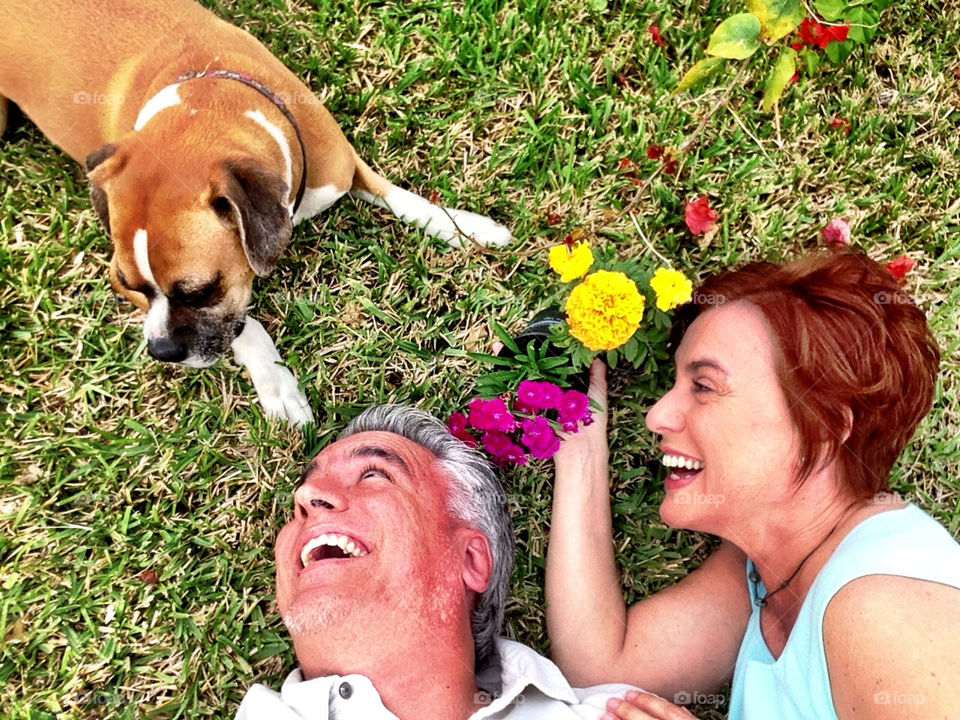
{"type": "Point", "coordinates": [796, 686]}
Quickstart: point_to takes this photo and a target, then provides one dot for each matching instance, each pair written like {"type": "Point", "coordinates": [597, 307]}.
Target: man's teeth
{"type": "Point", "coordinates": [341, 541]}
{"type": "Point", "coordinates": [682, 462]}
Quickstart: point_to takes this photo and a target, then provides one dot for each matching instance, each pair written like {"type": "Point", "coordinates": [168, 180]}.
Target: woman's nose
{"type": "Point", "coordinates": [665, 417]}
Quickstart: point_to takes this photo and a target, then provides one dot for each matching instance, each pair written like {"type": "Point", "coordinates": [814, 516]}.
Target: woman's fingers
{"type": "Point", "coordinates": [598, 383]}
{"type": "Point", "coordinates": [638, 705]}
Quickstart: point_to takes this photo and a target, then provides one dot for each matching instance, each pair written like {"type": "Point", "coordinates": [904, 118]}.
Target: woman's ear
{"type": "Point", "coordinates": [477, 559]}
{"type": "Point", "coordinates": [847, 423]}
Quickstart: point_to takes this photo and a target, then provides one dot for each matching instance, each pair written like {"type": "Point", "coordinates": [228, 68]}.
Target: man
{"type": "Point", "coordinates": [391, 579]}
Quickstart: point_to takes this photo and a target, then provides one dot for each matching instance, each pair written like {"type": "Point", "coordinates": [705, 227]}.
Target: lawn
{"type": "Point", "coordinates": [139, 501]}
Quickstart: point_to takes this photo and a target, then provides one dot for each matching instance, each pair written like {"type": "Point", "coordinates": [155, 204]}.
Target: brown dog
{"type": "Point", "coordinates": [203, 151]}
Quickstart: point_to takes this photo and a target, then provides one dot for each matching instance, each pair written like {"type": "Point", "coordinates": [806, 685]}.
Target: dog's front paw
{"type": "Point", "coordinates": [276, 387]}
{"type": "Point", "coordinates": [281, 398]}
{"type": "Point", "coordinates": [479, 228]}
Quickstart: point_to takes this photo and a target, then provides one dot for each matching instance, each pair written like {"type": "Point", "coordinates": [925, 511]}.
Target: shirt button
{"type": "Point", "coordinates": [346, 690]}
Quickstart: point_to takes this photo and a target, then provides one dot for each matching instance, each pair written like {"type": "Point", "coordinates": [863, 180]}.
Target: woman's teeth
{"type": "Point", "coordinates": [678, 461]}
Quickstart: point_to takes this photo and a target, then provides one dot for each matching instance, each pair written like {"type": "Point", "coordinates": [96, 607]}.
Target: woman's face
{"type": "Point", "coordinates": [727, 439]}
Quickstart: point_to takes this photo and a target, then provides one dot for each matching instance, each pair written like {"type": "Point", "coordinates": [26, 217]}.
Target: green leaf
{"type": "Point", "coordinates": [779, 78]}
{"type": "Point", "coordinates": [505, 337]}
{"type": "Point", "coordinates": [698, 73]}
{"type": "Point", "coordinates": [810, 59]}
{"type": "Point", "coordinates": [629, 349]}
{"type": "Point", "coordinates": [839, 51]}
{"type": "Point", "coordinates": [777, 17]}
{"type": "Point", "coordinates": [862, 16]}
{"type": "Point", "coordinates": [737, 37]}
{"type": "Point", "coordinates": [830, 10]}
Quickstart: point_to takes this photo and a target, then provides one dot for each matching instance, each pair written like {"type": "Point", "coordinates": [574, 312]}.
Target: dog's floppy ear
{"type": "Point", "coordinates": [99, 171]}
{"type": "Point", "coordinates": [253, 200]}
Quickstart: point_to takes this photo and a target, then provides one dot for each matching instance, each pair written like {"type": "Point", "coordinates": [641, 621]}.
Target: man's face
{"type": "Point", "coordinates": [371, 540]}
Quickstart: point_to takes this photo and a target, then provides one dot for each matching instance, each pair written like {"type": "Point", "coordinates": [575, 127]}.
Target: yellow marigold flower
{"type": "Point", "coordinates": [604, 311]}
{"type": "Point", "coordinates": [571, 263]}
{"type": "Point", "coordinates": [672, 288]}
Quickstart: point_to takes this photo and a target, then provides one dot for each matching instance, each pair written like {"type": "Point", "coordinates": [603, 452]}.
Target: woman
{"type": "Point", "coordinates": [797, 386]}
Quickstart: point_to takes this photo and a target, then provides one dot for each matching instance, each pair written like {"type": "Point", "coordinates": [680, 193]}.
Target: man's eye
{"type": "Point", "coordinates": [374, 472]}
{"type": "Point", "coordinates": [699, 388]}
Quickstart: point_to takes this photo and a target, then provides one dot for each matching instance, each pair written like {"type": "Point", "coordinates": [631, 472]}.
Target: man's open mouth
{"type": "Point", "coordinates": [331, 546]}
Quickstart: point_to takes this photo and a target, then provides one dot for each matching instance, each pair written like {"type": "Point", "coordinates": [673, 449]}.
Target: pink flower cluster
{"type": "Point", "coordinates": [510, 433]}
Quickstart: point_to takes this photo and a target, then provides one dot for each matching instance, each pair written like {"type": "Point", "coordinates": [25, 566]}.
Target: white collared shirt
{"type": "Point", "coordinates": [527, 686]}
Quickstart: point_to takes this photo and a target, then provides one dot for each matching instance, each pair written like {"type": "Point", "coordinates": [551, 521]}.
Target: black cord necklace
{"type": "Point", "coordinates": [762, 600]}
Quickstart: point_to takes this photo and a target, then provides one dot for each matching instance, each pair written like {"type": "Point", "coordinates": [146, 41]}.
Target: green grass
{"type": "Point", "coordinates": [113, 464]}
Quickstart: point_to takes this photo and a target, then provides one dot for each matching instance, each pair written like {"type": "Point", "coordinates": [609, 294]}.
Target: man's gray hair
{"type": "Point", "coordinates": [476, 497]}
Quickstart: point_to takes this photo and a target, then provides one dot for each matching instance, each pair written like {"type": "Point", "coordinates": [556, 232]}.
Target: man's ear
{"type": "Point", "coordinates": [103, 164]}
{"type": "Point", "coordinates": [477, 560]}
{"type": "Point", "coordinates": [253, 201]}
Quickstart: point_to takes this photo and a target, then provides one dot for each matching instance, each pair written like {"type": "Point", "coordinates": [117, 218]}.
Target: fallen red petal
{"type": "Point", "coordinates": [669, 165]}
{"type": "Point", "coordinates": [840, 123]}
{"type": "Point", "coordinates": [836, 233]}
{"type": "Point", "coordinates": [625, 163]}
{"type": "Point", "coordinates": [553, 219]}
{"type": "Point", "coordinates": [796, 45]}
{"type": "Point", "coordinates": [149, 577]}
{"type": "Point", "coordinates": [434, 196]}
{"type": "Point", "coordinates": [808, 31]}
{"type": "Point", "coordinates": [827, 34]}
{"type": "Point", "coordinates": [654, 152]}
{"type": "Point", "coordinates": [655, 36]}
{"type": "Point", "coordinates": [699, 216]}
{"type": "Point", "coordinates": [899, 267]}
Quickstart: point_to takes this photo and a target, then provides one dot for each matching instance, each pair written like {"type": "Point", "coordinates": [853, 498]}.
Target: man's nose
{"type": "Point", "coordinates": [665, 416]}
{"type": "Point", "coordinates": [313, 497]}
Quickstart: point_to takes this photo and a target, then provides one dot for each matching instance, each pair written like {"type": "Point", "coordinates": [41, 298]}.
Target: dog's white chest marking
{"type": "Point", "coordinates": [281, 140]}
{"type": "Point", "coordinates": [445, 223]}
{"type": "Point", "coordinates": [166, 98]}
{"type": "Point", "coordinates": [316, 200]}
{"type": "Point", "coordinates": [155, 324]}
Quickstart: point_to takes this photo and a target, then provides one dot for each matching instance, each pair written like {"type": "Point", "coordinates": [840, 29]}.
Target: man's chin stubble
{"type": "Point", "coordinates": [306, 618]}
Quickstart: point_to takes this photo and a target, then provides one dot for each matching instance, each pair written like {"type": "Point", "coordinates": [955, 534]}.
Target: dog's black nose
{"type": "Point", "coordinates": [166, 350]}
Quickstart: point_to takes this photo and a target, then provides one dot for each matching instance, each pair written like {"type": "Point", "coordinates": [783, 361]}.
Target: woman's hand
{"type": "Point", "coordinates": [591, 439]}
{"type": "Point", "coordinates": [638, 705]}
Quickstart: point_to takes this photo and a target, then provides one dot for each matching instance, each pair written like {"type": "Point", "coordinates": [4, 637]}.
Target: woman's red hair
{"type": "Point", "coordinates": [854, 353]}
